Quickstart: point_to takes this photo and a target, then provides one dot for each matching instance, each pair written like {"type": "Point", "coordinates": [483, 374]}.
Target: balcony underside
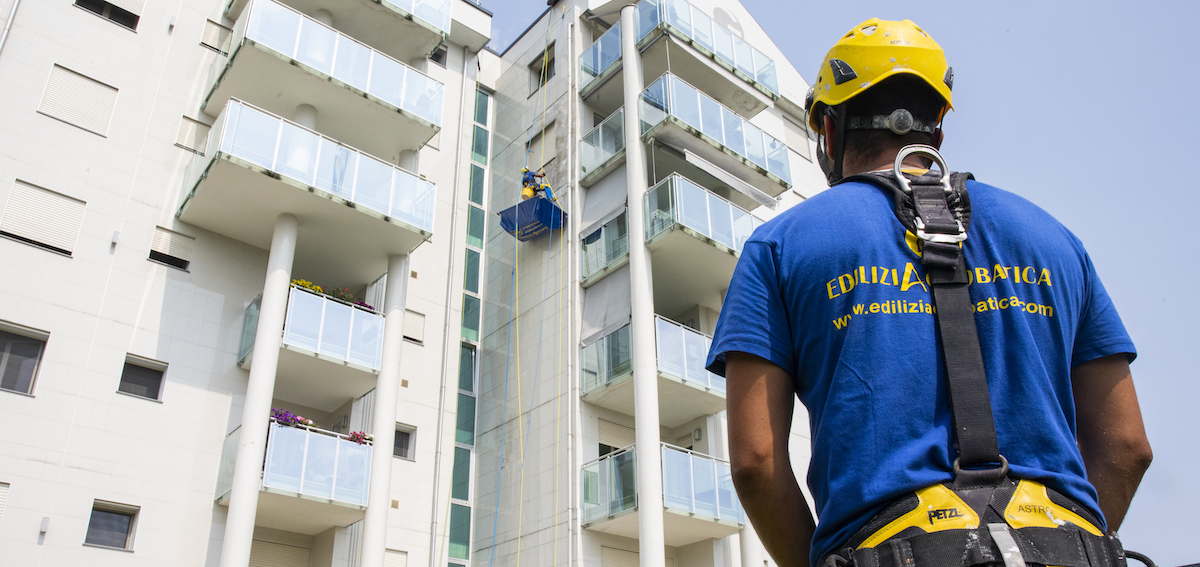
{"type": "Point", "coordinates": [348, 246]}
{"type": "Point", "coordinates": [673, 132]}
{"type": "Point", "coordinates": [607, 91]}
{"type": "Point", "coordinates": [601, 171]}
{"type": "Point", "coordinates": [277, 84]}
{"type": "Point", "coordinates": [679, 528]}
{"type": "Point", "coordinates": [670, 160]}
{"type": "Point", "coordinates": [374, 23]}
{"type": "Point", "coordinates": [317, 381]}
{"type": "Point", "coordinates": [689, 270]}
{"type": "Point", "coordinates": [306, 515]}
{"type": "Point", "coordinates": [678, 402]}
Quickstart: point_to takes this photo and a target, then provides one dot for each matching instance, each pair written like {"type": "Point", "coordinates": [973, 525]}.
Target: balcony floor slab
{"type": "Point", "coordinates": [689, 270]}
{"type": "Point", "coordinates": [679, 528]}
{"type": "Point", "coordinates": [317, 381]}
{"type": "Point", "coordinates": [306, 515]}
{"type": "Point", "coordinates": [678, 402]}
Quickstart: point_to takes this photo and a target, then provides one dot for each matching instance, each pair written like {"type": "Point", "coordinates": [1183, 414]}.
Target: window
{"type": "Point", "coordinates": [122, 12]}
{"type": "Point", "coordinates": [402, 447]}
{"type": "Point", "coordinates": [78, 100]}
{"type": "Point", "coordinates": [476, 221]}
{"type": "Point", "coordinates": [395, 558]}
{"type": "Point", "coordinates": [470, 326]}
{"type": "Point", "coordinates": [439, 56]}
{"type": "Point", "coordinates": [464, 431]}
{"type": "Point", "coordinates": [20, 355]}
{"type": "Point", "coordinates": [111, 525]}
{"type": "Point", "coordinates": [216, 37]}
{"type": "Point", "coordinates": [414, 326]}
{"type": "Point", "coordinates": [471, 272]}
{"type": "Point", "coordinates": [3, 498]}
{"type": "Point", "coordinates": [541, 70]}
{"type": "Point", "coordinates": [477, 179]}
{"type": "Point", "coordinates": [172, 248]}
{"type": "Point", "coordinates": [192, 135]}
{"type": "Point", "coordinates": [142, 377]}
{"type": "Point", "coordinates": [42, 218]}
{"type": "Point", "coordinates": [460, 531]}
{"type": "Point", "coordinates": [479, 146]}
{"type": "Point", "coordinates": [481, 107]}
{"type": "Point", "coordinates": [460, 484]}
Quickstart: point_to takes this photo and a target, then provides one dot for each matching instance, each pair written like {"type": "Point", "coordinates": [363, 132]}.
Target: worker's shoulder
{"type": "Point", "coordinates": [998, 209]}
{"type": "Point", "coordinates": [840, 209]}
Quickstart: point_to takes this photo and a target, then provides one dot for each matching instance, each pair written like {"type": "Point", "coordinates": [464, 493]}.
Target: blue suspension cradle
{"type": "Point", "coordinates": [532, 218]}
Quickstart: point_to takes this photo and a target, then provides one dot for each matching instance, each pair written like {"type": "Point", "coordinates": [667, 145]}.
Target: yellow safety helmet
{"type": "Point", "coordinates": [871, 52]}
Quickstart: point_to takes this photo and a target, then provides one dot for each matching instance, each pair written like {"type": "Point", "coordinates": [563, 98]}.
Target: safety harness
{"type": "Point", "coordinates": [982, 515]}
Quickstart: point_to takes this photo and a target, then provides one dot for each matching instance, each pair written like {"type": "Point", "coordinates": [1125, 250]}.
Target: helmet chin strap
{"type": "Point", "coordinates": [833, 169]}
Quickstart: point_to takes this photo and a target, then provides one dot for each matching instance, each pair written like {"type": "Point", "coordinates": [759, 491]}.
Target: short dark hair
{"type": "Point", "coordinates": [899, 91]}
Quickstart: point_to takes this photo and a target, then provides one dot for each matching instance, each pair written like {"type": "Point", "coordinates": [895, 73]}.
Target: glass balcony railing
{"type": "Point", "coordinates": [434, 12]}
{"type": "Point", "coordinates": [603, 143]}
{"type": "Point", "coordinates": [249, 328]}
{"type": "Point", "coordinates": [699, 484]}
{"type": "Point", "coordinates": [692, 483]}
{"type": "Point", "coordinates": [605, 247]}
{"type": "Point", "coordinates": [678, 201]}
{"type": "Point", "coordinates": [679, 16]}
{"type": "Point", "coordinates": [297, 153]}
{"type": "Point", "coordinates": [606, 360]}
{"type": "Point", "coordinates": [317, 463]}
{"type": "Point", "coordinates": [229, 450]}
{"type": "Point", "coordinates": [682, 353]}
{"type": "Point", "coordinates": [320, 47]}
{"type": "Point", "coordinates": [609, 485]}
{"type": "Point", "coordinates": [327, 326]}
{"type": "Point", "coordinates": [671, 97]}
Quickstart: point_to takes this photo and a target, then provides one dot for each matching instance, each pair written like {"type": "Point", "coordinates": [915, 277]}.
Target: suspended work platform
{"type": "Point", "coordinates": [532, 218]}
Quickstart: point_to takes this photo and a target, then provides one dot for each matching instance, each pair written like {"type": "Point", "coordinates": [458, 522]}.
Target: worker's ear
{"type": "Point", "coordinates": [828, 149]}
{"type": "Point", "coordinates": [937, 138]}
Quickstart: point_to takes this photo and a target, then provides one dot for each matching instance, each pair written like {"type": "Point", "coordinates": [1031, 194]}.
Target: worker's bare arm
{"type": "Point", "coordinates": [760, 401]}
{"type": "Point", "coordinates": [1112, 438]}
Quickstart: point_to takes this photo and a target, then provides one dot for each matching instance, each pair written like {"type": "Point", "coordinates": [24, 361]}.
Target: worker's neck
{"type": "Point", "coordinates": [853, 166]}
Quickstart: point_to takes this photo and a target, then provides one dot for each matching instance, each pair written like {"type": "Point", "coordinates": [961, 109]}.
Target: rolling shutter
{"type": "Point", "coordinates": [395, 558]}
{"type": "Point", "coordinates": [76, 99]}
{"type": "Point", "coordinates": [192, 135]}
{"type": "Point", "coordinates": [3, 498]}
{"type": "Point", "coordinates": [615, 435]}
{"type": "Point", "coordinates": [133, 6]}
{"type": "Point", "coordinates": [43, 216]}
{"type": "Point", "coordinates": [414, 326]}
{"type": "Point", "coordinates": [267, 554]}
{"type": "Point", "coordinates": [173, 244]}
{"type": "Point", "coordinates": [612, 557]}
{"type": "Point", "coordinates": [216, 36]}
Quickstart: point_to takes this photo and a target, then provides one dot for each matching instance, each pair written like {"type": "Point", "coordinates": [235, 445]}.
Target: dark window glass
{"type": "Point", "coordinates": [475, 226]}
{"type": "Point", "coordinates": [401, 447]}
{"type": "Point", "coordinates": [465, 431]}
{"type": "Point", "coordinates": [481, 107]}
{"type": "Point", "coordinates": [471, 275]}
{"type": "Point", "coordinates": [141, 381]}
{"type": "Point", "coordinates": [110, 529]}
{"type": "Point", "coordinates": [470, 325]}
{"type": "Point", "coordinates": [19, 357]}
{"type": "Point", "coordinates": [439, 56]}
{"type": "Point", "coordinates": [466, 368]}
{"type": "Point", "coordinates": [110, 12]}
{"type": "Point", "coordinates": [168, 259]}
{"type": "Point", "coordinates": [460, 486]}
{"type": "Point", "coordinates": [477, 175]}
{"type": "Point", "coordinates": [460, 531]}
{"type": "Point", "coordinates": [479, 148]}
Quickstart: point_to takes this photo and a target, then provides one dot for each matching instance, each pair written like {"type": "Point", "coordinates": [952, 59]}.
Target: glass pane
{"type": "Point", "coordinates": [423, 97]}
{"type": "Point", "coordinates": [693, 206]}
{"type": "Point", "coordinates": [409, 199]}
{"type": "Point", "coordinates": [285, 458]}
{"type": "Point", "coordinates": [466, 368]}
{"type": "Point", "coordinates": [620, 353]}
{"type": "Point", "coordinates": [465, 430]}
{"type": "Point", "coordinates": [670, 348]}
{"type": "Point", "coordinates": [253, 137]}
{"type": "Point", "coordinates": [110, 529]}
{"type": "Point", "coordinates": [475, 226]}
{"type": "Point", "coordinates": [335, 170]}
{"type": "Point", "coordinates": [652, 105]}
{"type": "Point", "coordinates": [335, 330]}
{"type": "Point", "coordinates": [353, 64]}
{"type": "Point", "coordinates": [765, 72]}
{"type": "Point", "coordinates": [623, 485]}
{"type": "Point", "coordinates": [723, 43]}
{"type": "Point", "coordinates": [745, 57]}
{"type": "Point", "coordinates": [249, 329]}
{"type": "Point", "coordinates": [754, 146]}
{"type": "Point", "coordinates": [319, 461]}
{"type": "Point", "coordinates": [481, 107]}
{"type": "Point", "coordinates": [719, 213]}
{"type": "Point", "coordinates": [471, 272]}
{"type": "Point", "coordinates": [679, 15]}
{"type": "Point", "coordinates": [777, 159]}
{"type": "Point", "coordinates": [366, 339]}
{"type": "Point", "coordinates": [303, 326]}
{"type": "Point", "coordinates": [743, 227]}
{"type": "Point", "coordinates": [677, 480]}
{"type": "Point", "coordinates": [353, 470]}
{"type": "Point", "coordinates": [316, 46]}
{"type": "Point", "coordinates": [727, 501]}
{"type": "Point", "coordinates": [710, 115]}
{"type": "Point", "coordinates": [460, 531]}
{"type": "Point", "coordinates": [274, 26]}
{"type": "Point", "coordinates": [460, 478]}
{"type": "Point", "coordinates": [479, 146]}
{"type": "Point", "coordinates": [716, 382]}
{"type": "Point", "coordinates": [139, 381]}
{"type": "Point", "coordinates": [387, 79]}
{"type": "Point", "coordinates": [704, 476]}
{"type": "Point", "coordinates": [702, 29]}
{"type": "Point", "coordinates": [734, 138]}
{"type": "Point", "coordinates": [470, 326]}
{"type": "Point", "coordinates": [647, 17]}
{"type": "Point", "coordinates": [660, 207]}
{"type": "Point", "coordinates": [373, 186]}
{"type": "Point", "coordinates": [477, 179]}
{"type": "Point", "coordinates": [297, 156]}
{"type": "Point", "coordinates": [591, 373]}
{"type": "Point", "coordinates": [695, 353]}
{"type": "Point", "coordinates": [685, 103]}
{"type": "Point", "coordinates": [18, 361]}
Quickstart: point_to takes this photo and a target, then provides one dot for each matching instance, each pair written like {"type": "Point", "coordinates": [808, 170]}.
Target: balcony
{"type": "Point", "coordinates": [281, 59]}
{"type": "Point", "coordinates": [676, 113]}
{"type": "Point", "coordinates": [331, 349]}
{"type": "Point", "coordinates": [603, 149]}
{"type": "Point", "coordinates": [404, 29]}
{"type": "Point", "coordinates": [700, 50]}
{"type": "Point", "coordinates": [312, 479]}
{"type": "Point", "coordinates": [605, 250]}
{"type": "Point", "coordinates": [354, 209]}
{"type": "Point", "coordinates": [685, 389]}
{"type": "Point", "coordinates": [698, 496]}
{"type": "Point", "coordinates": [687, 226]}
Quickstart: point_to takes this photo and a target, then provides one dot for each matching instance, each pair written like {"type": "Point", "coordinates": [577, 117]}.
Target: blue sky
{"type": "Point", "coordinates": [1088, 110]}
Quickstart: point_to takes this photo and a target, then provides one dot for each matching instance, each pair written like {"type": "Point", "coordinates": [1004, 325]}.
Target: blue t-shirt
{"type": "Point", "coordinates": [833, 292]}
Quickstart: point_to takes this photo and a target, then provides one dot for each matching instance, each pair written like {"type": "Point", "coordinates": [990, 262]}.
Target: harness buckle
{"type": "Point", "coordinates": [938, 237]}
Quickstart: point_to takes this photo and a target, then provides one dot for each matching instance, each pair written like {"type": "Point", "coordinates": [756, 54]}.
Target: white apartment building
{"type": "Point", "coordinates": [259, 308]}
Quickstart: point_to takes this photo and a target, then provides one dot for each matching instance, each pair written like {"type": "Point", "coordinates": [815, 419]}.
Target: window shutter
{"type": "Point", "coordinates": [134, 6]}
{"type": "Point", "coordinates": [192, 135]}
{"type": "Point", "coordinates": [216, 36]}
{"type": "Point", "coordinates": [78, 100]}
{"type": "Point", "coordinates": [395, 558]}
{"type": "Point", "coordinates": [612, 557]}
{"type": "Point", "coordinates": [3, 498]}
{"type": "Point", "coordinates": [267, 554]}
{"type": "Point", "coordinates": [173, 244]}
{"type": "Point", "coordinates": [43, 216]}
{"type": "Point", "coordinates": [414, 326]}
{"type": "Point", "coordinates": [615, 435]}
{"type": "Point", "coordinates": [540, 152]}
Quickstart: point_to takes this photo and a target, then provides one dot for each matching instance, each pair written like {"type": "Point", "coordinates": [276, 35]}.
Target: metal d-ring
{"type": "Point", "coordinates": [925, 150]}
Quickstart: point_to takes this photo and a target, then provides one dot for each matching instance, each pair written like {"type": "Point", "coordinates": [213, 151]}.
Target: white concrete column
{"type": "Point", "coordinates": [306, 116]}
{"type": "Point", "coordinates": [651, 543]}
{"type": "Point", "coordinates": [324, 16]}
{"type": "Point", "coordinates": [387, 389]}
{"type": "Point", "coordinates": [260, 389]}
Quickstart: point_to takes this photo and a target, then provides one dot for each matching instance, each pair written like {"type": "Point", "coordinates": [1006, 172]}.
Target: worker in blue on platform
{"type": "Point", "coordinates": [532, 185]}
